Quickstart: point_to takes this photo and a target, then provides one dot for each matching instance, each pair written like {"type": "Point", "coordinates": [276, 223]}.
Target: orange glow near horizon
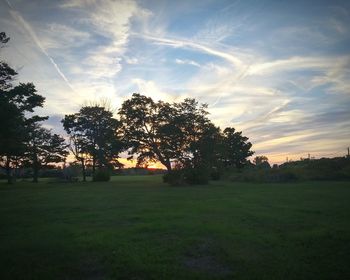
{"type": "Point", "coordinates": [279, 158]}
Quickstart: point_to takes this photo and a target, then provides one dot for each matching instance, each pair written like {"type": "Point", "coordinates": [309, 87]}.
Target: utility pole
{"type": "Point", "coordinates": [348, 153]}
{"type": "Point", "coordinates": [308, 156]}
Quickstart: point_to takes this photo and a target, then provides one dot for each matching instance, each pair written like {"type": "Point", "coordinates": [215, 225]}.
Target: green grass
{"type": "Point", "coordinates": [139, 228]}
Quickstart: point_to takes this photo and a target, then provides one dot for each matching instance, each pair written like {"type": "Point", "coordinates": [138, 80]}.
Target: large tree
{"type": "Point", "coordinates": [179, 134]}
{"type": "Point", "coordinates": [93, 132]}
{"type": "Point", "coordinates": [164, 132]}
{"type": "Point", "coordinates": [44, 148]}
{"type": "Point", "coordinates": [194, 132]}
{"type": "Point", "coordinates": [141, 120]}
{"type": "Point", "coordinates": [17, 104]}
{"type": "Point", "coordinates": [16, 113]}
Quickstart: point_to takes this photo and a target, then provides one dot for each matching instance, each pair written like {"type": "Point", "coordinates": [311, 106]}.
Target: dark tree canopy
{"type": "Point", "coordinates": [17, 104]}
{"type": "Point", "coordinates": [7, 74]}
{"type": "Point", "coordinates": [93, 133]}
{"type": "Point", "coordinates": [179, 134]}
{"type": "Point", "coordinates": [260, 159]}
{"type": "Point", "coordinates": [236, 148]}
{"type": "Point", "coordinates": [44, 148]}
{"type": "Point", "coordinates": [144, 129]}
{"type": "Point", "coordinates": [160, 131]}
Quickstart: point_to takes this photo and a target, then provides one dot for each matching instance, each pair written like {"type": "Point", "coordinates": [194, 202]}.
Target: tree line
{"type": "Point", "coordinates": [180, 135]}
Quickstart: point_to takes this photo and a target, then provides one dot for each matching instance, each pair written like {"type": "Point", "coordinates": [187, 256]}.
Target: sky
{"type": "Point", "coordinates": [277, 70]}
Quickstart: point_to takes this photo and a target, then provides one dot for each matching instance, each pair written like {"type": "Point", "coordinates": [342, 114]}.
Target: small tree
{"type": "Point", "coordinates": [261, 161]}
{"type": "Point", "coordinates": [78, 146]}
{"type": "Point", "coordinates": [44, 148]}
{"type": "Point", "coordinates": [235, 148]}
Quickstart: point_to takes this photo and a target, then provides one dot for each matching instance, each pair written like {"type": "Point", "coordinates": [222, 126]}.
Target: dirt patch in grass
{"type": "Point", "coordinates": [90, 268]}
{"type": "Point", "coordinates": [204, 258]}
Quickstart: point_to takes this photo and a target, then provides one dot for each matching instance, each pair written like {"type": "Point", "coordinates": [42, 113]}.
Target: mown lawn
{"type": "Point", "coordinates": [139, 228]}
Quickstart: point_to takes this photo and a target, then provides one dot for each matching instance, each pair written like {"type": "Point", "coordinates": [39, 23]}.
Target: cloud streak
{"type": "Point", "coordinates": [18, 18]}
{"type": "Point", "coordinates": [281, 77]}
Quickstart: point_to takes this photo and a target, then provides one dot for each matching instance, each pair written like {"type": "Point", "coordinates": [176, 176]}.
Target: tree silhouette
{"type": "Point", "coordinates": [42, 148]}
{"type": "Point", "coordinates": [179, 133]}
{"type": "Point", "coordinates": [15, 104]}
{"type": "Point", "coordinates": [236, 148]}
{"type": "Point", "coordinates": [143, 121]}
{"type": "Point", "coordinates": [93, 132]}
{"type": "Point", "coordinates": [7, 74]}
{"type": "Point", "coordinates": [261, 161]}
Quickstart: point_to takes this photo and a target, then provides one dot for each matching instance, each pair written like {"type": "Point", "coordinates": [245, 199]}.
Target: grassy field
{"type": "Point", "coordinates": [139, 228]}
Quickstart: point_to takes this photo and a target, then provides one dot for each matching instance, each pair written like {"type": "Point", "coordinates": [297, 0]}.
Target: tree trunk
{"type": "Point", "coordinates": [93, 164]}
{"type": "Point", "coordinates": [83, 169]}
{"type": "Point", "coordinates": [8, 171]}
{"type": "Point", "coordinates": [35, 169]}
{"type": "Point", "coordinates": [168, 166]}
{"type": "Point", "coordinates": [166, 163]}
{"type": "Point", "coordinates": [35, 174]}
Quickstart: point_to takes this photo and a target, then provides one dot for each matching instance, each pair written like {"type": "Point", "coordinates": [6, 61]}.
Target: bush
{"type": "Point", "coordinates": [259, 175]}
{"type": "Point", "coordinates": [101, 175]}
{"type": "Point", "coordinates": [197, 176]}
{"type": "Point", "coordinates": [174, 177]}
{"type": "Point", "coordinates": [51, 173]}
{"type": "Point", "coordinates": [191, 176]}
{"type": "Point", "coordinates": [215, 175]}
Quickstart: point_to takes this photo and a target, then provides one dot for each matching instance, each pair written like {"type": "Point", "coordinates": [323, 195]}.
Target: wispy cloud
{"type": "Point", "coordinates": [187, 61]}
{"type": "Point", "coordinates": [184, 43]}
{"type": "Point", "coordinates": [17, 16]}
{"type": "Point", "coordinates": [281, 77]}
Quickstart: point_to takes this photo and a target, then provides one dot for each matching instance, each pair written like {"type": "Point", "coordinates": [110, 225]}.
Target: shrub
{"type": "Point", "coordinates": [192, 176]}
{"type": "Point", "coordinates": [101, 175]}
{"type": "Point", "coordinates": [197, 176]}
{"type": "Point", "coordinates": [51, 173]}
{"type": "Point", "coordinates": [174, 177]}
{"type": "Point", "coordinates": [215, 175]}
{"type": "Point", "coordinates": [259, 175]}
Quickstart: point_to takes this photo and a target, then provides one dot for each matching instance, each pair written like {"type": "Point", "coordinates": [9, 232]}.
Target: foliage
{"type": "Point", "coordinates": [236, 148]}
{"type": "Point", "coordinates": [145, 124]}
{"type": "Point", "coordinates": [260, 160]}
{"type": "Point", "coordinates": [17, 103]}
{"type": "Point", "coordinates": [43, 148]}
{"type": "Point", "coordinates": [215, 174]}
{"type": "Point", "coordinates": [191, 176]}
{"type": "Point", "coordinates": [101, 175]}
{"type": "Point", "coordinates": [51, 173]}
{"type": "Point", "coordinates": [318, 169]}
{"type": "Point", "coordinates": [179, 135]}
{"type": "Point", "coordinates": [7, 74]}
{"type": "Point", "coordinates": [175, 177]}
{"type": "Point", "coordinates": [197, 175]}
{"type": "Point", "coordinates": [263, 175]}
{"type": "Point", "coordinates": [93, 133]}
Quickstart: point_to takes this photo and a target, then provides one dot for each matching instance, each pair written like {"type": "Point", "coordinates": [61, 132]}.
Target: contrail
{"type": "Point", "coordinates": [17, 16]}
{"type": "Point", "coordinates": [8, 3]}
